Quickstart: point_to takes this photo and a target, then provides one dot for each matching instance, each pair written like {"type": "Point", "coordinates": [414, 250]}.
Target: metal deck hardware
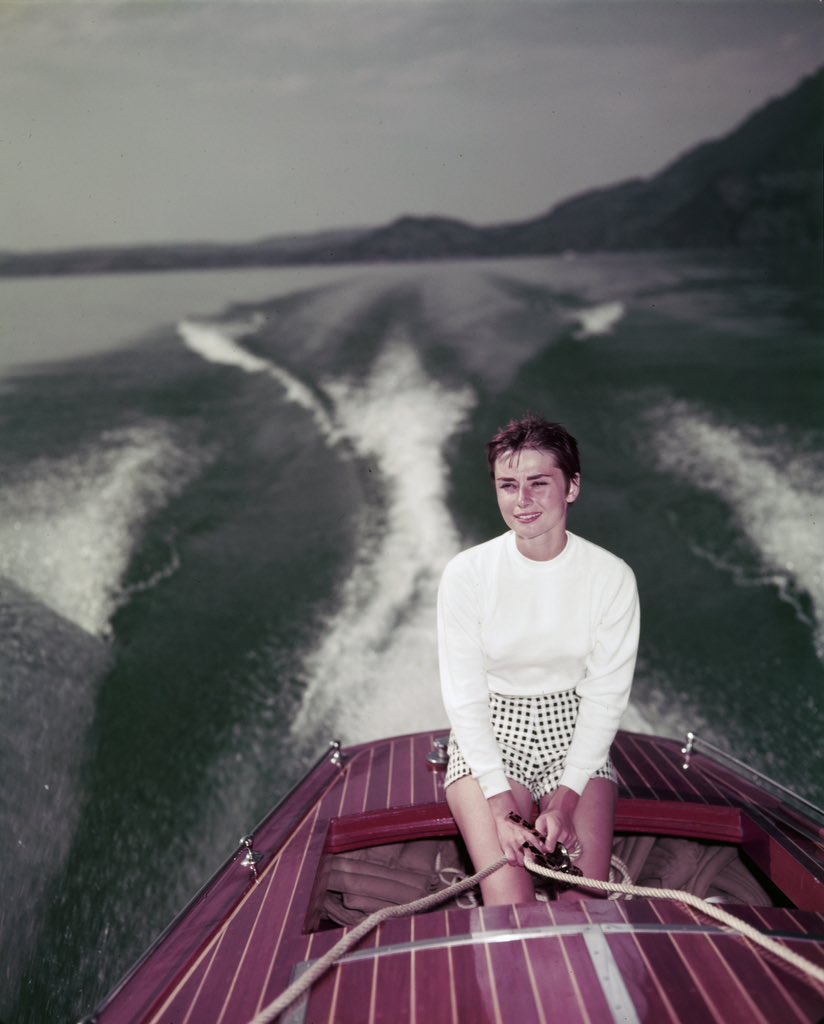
{"type": "Point", "coordinates": [251, 857]}
{"type": "Point", "coordinates": [438, 755]}
{"type": "Point", "coordinates": [688, 749]}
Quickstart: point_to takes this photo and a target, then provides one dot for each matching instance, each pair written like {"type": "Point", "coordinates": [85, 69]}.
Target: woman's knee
{"type": "Point", "coordinates": [594, 822]}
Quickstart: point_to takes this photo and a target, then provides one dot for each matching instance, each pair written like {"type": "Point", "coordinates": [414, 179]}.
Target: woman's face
{"type": "Point", "coordinates": [534, 499]}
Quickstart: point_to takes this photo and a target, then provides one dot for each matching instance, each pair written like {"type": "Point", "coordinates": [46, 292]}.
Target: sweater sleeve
{"type": "Point", "coordinates": [463, 675]}
{"type": "Point", "coordinates": [605, 689]}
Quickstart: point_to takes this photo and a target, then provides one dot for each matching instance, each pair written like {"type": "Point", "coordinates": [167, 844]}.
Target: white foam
{"type": "Point", "coordinates": [598, 320]}
{"type": "Point", "coordinates": [375, 672]}
{"type": "Point", "coordinates": [68, 529]}
{"type": "Point", "coordinates": [217, 345]}
{"type": "Point", "coordinates": [775, 492]}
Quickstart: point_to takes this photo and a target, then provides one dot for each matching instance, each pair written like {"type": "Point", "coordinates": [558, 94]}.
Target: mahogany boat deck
{"type": "Point", "coordinates": [244, 938]}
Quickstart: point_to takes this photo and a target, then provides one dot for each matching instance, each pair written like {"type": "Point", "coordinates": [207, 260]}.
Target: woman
{"type": "Point", "coordinates": [537, 638]}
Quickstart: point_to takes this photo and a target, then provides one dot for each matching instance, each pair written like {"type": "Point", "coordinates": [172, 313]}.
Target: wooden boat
{"type": "Point", "coordinates": [270, 911]}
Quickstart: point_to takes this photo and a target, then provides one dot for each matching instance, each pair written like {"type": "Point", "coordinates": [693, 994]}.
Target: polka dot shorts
{"type": "Point", "coordinates": [534, 734]}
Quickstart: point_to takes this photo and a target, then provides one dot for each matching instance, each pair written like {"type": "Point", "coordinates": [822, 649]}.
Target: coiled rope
{"type": "Point", "coordinates": [323, 963]}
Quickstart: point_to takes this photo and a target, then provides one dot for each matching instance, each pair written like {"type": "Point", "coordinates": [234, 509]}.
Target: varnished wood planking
{"type": "Point", "coordinates": [263, 936]}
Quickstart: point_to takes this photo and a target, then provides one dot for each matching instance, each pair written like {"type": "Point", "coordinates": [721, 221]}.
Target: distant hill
{"type": "Point", "coordinates": [278, 250]}
{"type": "Point", "coordinates": [760, 185]}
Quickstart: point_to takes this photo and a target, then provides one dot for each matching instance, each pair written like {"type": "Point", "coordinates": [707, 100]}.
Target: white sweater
{"type": "Point", "coordinates": [515, 626]}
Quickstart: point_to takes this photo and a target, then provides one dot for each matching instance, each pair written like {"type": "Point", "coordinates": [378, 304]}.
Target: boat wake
{"type": "Point", "coordinates": [764, 482]}
{"type": "Point", "coordinates": [218, 344]}
{"type": "Point", "coordinates": [68, 527]}
{"type": "Point", "coordinates": [375, 670]}
{"type": "Point", "coordinates": [598, 320]}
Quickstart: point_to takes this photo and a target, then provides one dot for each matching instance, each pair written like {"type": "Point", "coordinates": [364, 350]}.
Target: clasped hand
{"type": "Point", "coordinates": [558, 828]}
{"type": "Point", "coordinates": [553, 825]}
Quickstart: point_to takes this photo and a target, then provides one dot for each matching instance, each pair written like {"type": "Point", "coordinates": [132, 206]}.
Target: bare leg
{"type": "Point", "coordinates": [594, 820]}
{"type": "Point", "coordinates": [509, 884]}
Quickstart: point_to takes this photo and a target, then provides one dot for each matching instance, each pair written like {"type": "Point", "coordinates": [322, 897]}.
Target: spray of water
{"type": "Point", "coordinates": [774, 491]}
{"type": "Point", "coordinates": [68, 527]}
{"type": "Point", "coordinates": [597, 320]}
{"type": "Point", "coordinates": [375, 670]}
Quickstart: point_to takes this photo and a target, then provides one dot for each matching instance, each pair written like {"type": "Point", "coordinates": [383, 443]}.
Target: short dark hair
{"type": "Point", "coordinates": [535, 432]}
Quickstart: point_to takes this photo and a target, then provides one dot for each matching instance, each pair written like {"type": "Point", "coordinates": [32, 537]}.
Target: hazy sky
{"type": "Point", "coordinates": [223, 119]}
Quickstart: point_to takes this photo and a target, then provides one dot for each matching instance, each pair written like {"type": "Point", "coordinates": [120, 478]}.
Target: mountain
{"type": "Point", "coordinates": [760, 185]}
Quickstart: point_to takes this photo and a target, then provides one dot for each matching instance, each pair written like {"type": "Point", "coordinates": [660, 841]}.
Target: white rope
{"type": "Point", "coordinates": [811, 970]}
{"type": "Point", "coordinates": [322, 964]}
{"type": "Point", "coordinates": [620, 868]}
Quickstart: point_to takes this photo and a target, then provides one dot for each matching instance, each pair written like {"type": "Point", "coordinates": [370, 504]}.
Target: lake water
{"type": "Point", "coordinates": [226, 499]}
